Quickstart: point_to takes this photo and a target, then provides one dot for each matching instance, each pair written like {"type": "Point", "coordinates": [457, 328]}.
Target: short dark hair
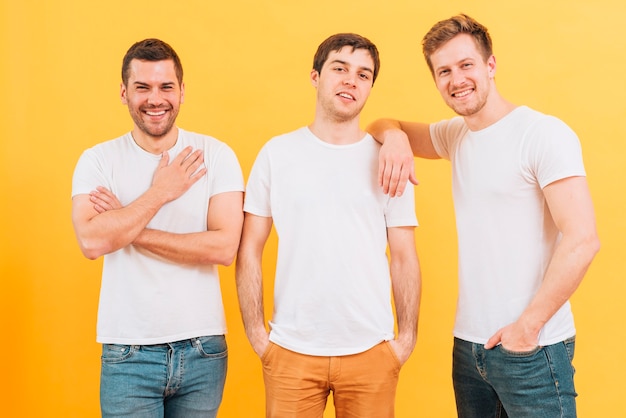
{"type": "Point", "coordinates": [447, 29]}
{"type": "Point", "coordinates": [338, 41]}
{"type": "Point", "coordinates": [151, 49]}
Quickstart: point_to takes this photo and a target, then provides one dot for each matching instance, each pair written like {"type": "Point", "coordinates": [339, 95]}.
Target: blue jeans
{"type": "Point", "coordinates": [180, 379]}
{"type": "Point", "coordinates": [499, 383]}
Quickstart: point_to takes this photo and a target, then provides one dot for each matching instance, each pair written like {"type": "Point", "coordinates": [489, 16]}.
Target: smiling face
{"type": "Point", "coordinates": [153, 96]}
{"type": "Point", "coordinates": [463, 78]}
{"type": "Point", "coordinates": [344, 83]}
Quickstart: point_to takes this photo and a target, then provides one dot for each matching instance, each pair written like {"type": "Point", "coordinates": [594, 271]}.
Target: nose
{"type": "Point", "coordinates": [458, 78]}
{"type": "Point", "coordinates": [349, 79]}
{"type": "Point", "coordinates": [155, 97]}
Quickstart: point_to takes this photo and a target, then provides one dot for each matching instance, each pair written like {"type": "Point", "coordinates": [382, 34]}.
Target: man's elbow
{"type": "Point", "coordinates": [593, 245]}
{"type": "Point", "coordinates": [90, 253]}
{"type": "Point", "coordinates": [91, 249]}
{"type": "Point", "coordinates": [588, 246]}
{"type": "Point", "coordinates": [225, 256]}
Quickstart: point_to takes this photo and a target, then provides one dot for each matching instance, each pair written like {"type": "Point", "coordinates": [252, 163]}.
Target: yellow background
{"type": "Point", "coordinates": [246, 72]}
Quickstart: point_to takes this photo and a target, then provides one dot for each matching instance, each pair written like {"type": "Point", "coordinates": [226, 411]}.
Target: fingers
{"type": "Point", "coordinates": [389, 172]}
{"type": "Point", "coordinates": [395, 169]}
{"type": "Point", "coordinates": [190, 161]}
{"type": "Point", "coordinates": [103, 199]}
{"type": "Point", "coordinates": [193, 163]}
{"type": "Point", "coordinates": [406, 174]}
{"type": "Point", "coordinates": [164, 161]}
{"type": "Point", "coordinates": [99, 208]}
{"type": "Point", "coordinates": [393, 178]}
{"type": "Point", "coordinates": [493, 341]}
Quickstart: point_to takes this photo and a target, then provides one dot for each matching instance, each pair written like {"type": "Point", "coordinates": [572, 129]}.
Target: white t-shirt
{"type": "Point", "coordinates": [506, 233]}
{"type": "Point", "coordinates": [145, 299]}
{"type": "Point", "coordinates": [332, 286]}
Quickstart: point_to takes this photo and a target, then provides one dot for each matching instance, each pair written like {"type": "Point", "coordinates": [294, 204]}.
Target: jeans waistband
{"type": "Point", "coordinates": [191, 341]}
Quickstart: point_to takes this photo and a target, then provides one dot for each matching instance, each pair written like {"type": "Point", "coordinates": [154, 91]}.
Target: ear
{"type": "Point", "coordinates": [491, 64]}
{"type": "Point", "coordinates": [182, 93]}
{"type": "Point", "coordinates": [123, 93]}
{"type": "Point", "coordinates": [315, 76]}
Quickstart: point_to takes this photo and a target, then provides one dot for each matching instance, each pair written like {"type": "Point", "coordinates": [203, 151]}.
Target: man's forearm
{"type": "Point", "coordinates": [200, 248]}
{"type": "Point", "coordinates": [114, 229]}
{"type": "Point", "coordinates": [407, 292]}
{"type": "Point", "coordinates": [406, 287]}
{"type": "Point", "coordinates": [250, 293]}
{"type": "Point", "coordinates": [565, 272]}
{"type": "Point", "coordinates": [379, 128]}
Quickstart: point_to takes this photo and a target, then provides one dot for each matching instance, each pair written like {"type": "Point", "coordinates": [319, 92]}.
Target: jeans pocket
{"type": "Point", "coordinates": [212, 346]}
{"type": "Point", "coordinates": [519, 353]}
{"type": "Point", "coordinates": [570, 344]}
{"type": "Point", "coordinates": [116, 353]}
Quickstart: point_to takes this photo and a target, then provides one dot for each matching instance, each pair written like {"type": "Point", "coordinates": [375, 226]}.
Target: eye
{"type": "Point", "coordinates": [339, 69]}
{"type": "Point", "coordinates": [364, 76]}
{"type": "Point", "coordinates": [443, 73]}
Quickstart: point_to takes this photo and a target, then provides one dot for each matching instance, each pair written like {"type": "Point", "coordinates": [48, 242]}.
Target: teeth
{"type": "Point", "coordinates": [463, 93]}
{"type": "Point", "coordinates": [346, 95]}
{"type": "Point", "coordinates": [162, 112]}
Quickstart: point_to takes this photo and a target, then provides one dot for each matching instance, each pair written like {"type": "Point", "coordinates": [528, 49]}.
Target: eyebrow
{"type": "Point", "coordinates": [459, 62]}
{"type": "Point", "coordinates": [143, 83]}
{"type": "Point", "coordinates": [368, 69]}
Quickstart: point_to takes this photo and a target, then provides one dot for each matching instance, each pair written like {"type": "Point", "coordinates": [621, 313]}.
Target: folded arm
{"type": "Point", "coordinates": [406, 285]}
{"type": "Point", "coordinates": [572, 210]}
{"type": "Point", "coordinates": [217, 245]}
{"type": "Point", "coordinates": [101, 232]}
{"type": "Point", "coordinates": [249, 278]}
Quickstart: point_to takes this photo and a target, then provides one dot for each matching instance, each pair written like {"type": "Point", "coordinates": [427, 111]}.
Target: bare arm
{"type": "Point", "coordinates": [100, 233]}
{"type": "Point", "coordinates": [217, 245]}
{"type": "Point", "coordinates": [249, 277]}
{"type": "Point", "coordinates": [406, 284]}
{"type": "Point", "coordinates": [401, 142]}
{"type": "Point", "coordinates": [571, 207]}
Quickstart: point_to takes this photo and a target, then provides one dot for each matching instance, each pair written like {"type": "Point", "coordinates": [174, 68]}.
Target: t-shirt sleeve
{"type": "Point", "coordinates": [225, 171]}
{"type": "Point", "coordinates": [446, 134]}
{"type": "Point", "coordinates": [401, 210]}
{"type": "Point", "coordinates": [88, 173]}
{"type": "Point", "coordinates": [554, 151]}
{"type": "Point", "coordinates": [257, 200]}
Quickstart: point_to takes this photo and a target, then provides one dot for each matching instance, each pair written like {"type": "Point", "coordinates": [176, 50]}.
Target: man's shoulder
{"type": "Point", "coordinates": [112, 145]}
{"type": "Point", "coordinates": [210, 144]}
{"type": "Point", "coordinates": [542, 124]}
{"type": "Point", "coordinates": [288, 138]}
{"type": "Point", "coordinates": [296, 133]}
{"type": "Point", "coordinates": [195, 137]}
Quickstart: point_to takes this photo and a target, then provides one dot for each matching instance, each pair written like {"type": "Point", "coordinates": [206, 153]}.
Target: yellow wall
{"type": "Point", "coordinates": [246, 71]}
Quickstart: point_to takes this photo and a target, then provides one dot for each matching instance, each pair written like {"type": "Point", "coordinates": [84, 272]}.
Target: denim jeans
{"type": "Point", "coordinates": [180, 379]}
{"type": "Point", "coordinates": [499, 383]}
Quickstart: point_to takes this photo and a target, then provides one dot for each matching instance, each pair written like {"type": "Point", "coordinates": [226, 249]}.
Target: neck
{"type": "Point", "coordinates": [155, 144]}
{"type": "Point", "coordinates": [337, 133]}
{"type": "Point", "coordinates": [495, 109]}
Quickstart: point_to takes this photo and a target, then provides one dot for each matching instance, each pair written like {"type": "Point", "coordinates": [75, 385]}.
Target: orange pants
{"type": "Point", "coordinates": [298, 385]}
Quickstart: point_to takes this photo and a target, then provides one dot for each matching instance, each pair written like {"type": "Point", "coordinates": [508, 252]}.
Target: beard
{"type": "Point", "coordinates": [155, 130]}
{"type": "Point", "coordinates": [472, 107]}
{"type": "Point", "coordinates": [337, 115]}
{"type": "Point", "coordinates": [467, 110]}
